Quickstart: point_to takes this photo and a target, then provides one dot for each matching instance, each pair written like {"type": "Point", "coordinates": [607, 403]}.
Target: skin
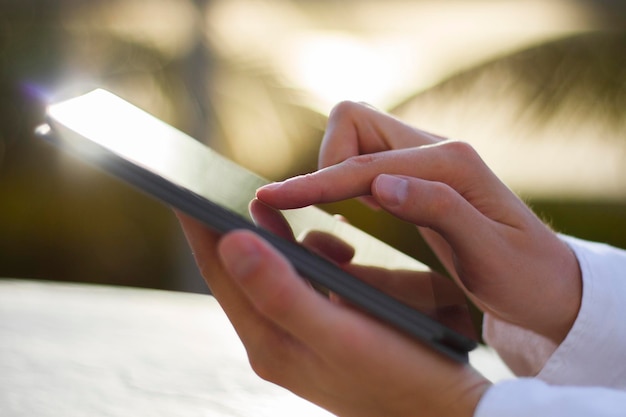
{"type": "Point", "coordinates": [499, 253]}
{"type": "Point", "coordinates": [320, 349]}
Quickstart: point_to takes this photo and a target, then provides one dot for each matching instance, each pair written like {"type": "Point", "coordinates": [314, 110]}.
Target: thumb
{"type": "Point", "coordinates": [434, 205]}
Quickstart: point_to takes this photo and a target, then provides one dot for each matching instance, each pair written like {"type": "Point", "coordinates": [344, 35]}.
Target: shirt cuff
{"type": "Point", "coordinates": [523, 351]}
{"type": "Point", "coordinates": [530, 397]}
{"type": "Point", "coordinates": [593, 351]}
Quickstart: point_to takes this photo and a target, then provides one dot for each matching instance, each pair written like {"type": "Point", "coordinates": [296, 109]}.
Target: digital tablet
{"type": "Point", "coordinates": [123, 140]}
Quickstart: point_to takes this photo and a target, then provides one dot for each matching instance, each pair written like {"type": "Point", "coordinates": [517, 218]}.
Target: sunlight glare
{"type": "Point", "coordinates": [340, 66]}
{"type": "Point", "coordinates": [89, 118]}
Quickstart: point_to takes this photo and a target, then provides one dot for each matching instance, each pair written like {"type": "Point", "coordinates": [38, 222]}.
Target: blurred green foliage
{"type": "Point", "coordinates": [60, 219]}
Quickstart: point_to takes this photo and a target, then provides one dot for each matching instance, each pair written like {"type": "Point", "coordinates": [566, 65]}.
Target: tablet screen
{"type": "Point", "coordinates": [148, 142]}
{"type": "Point", "coordinates": [186, 174]}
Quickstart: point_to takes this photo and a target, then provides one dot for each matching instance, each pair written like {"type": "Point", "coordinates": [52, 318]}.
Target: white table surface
{"type": "Point", "coordinates": [89, 350]}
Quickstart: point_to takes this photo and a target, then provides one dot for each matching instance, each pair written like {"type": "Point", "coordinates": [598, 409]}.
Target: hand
{"type": "Point", "coordinates": [426, 291]}
{"type": "Point", "coordinates": [506, 260]}
{"type": "Point", "coordinates": [334, 356]}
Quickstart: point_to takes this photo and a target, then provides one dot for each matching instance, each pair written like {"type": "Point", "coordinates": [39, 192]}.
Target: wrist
{"type": "Point", "coordinates": [567, 296]}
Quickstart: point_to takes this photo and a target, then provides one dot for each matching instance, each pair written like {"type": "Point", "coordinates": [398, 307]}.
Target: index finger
{"type": "Point", "coordinates": [455, 164]}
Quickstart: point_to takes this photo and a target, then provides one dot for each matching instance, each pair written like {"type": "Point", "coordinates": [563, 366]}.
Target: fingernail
{"type": "Point", "coordinates": [241, 258]}
{"type": "Point", "coordinates": [391, 190]}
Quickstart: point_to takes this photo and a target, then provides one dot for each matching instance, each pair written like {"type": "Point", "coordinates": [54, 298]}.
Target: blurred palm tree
{"type": "Point", "coordinates": [59, 219]}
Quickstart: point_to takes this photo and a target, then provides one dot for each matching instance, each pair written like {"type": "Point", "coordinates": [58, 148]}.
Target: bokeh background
{"type": "Point", "coordinates": [538, 86]}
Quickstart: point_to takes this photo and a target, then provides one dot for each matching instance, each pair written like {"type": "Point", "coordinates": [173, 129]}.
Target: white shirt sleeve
{"type": "Point", "coordinates": [591, 359]}
{"type": "Point", "coordinates": [530, 397]}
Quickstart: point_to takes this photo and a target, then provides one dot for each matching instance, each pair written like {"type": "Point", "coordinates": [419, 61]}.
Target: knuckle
{"type": "Point", "coordinates": [460, 151]}
{"type": "Point", "coordinates": [344, 108]}
{"type": "Point", "coordinates": [461, 166]}
{"type": "Point", "coordinates": [360, 161]}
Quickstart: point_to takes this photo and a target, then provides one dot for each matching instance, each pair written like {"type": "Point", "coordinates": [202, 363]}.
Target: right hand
{"type": "Point", "coordinates": [506, 260]}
